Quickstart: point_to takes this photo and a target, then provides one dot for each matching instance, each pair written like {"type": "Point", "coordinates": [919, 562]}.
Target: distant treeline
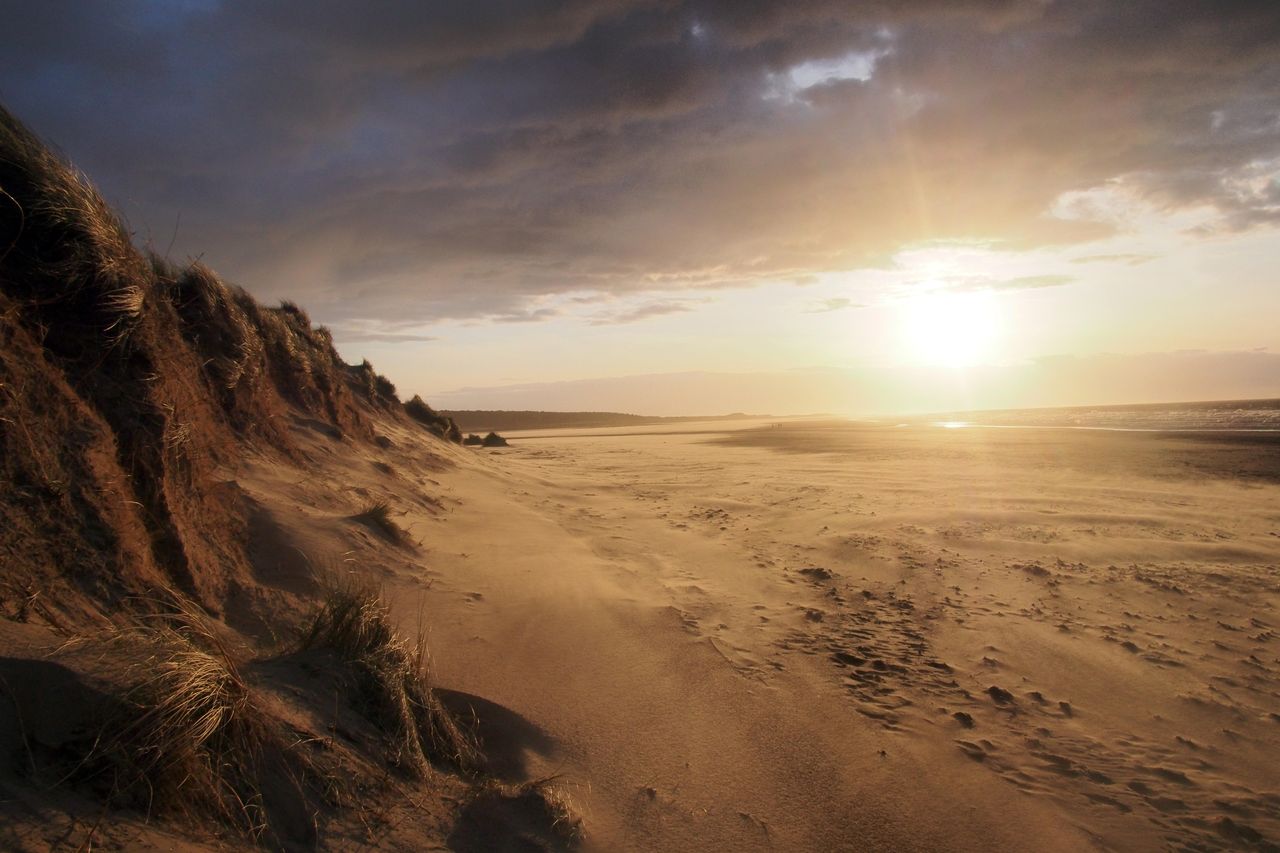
{"type": "Point", "coordinates": [501, 421]}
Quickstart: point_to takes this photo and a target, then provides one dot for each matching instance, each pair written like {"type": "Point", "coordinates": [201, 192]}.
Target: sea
{"type": "Point", "coordinates": [1210, 416]}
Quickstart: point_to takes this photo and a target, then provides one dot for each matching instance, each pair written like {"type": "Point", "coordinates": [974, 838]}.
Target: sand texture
{"type": "Point", "coordinates": [802, 636]}
{"type": "Point", "coordinates": [829, 636]}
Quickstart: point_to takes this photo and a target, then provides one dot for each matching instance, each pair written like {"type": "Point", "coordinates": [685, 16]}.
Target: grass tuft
{"type": "Point", "coordinates": [557, 807]}
{"type": "Point", "coordinates": [190, 736]}
{"type": "Point", "coordinates": [124, 308]}
{"type": "Point", "coordinates": [377, 515]}
{"type": "Point", "coordinates": [354, 625]}
{"type": "Point", "coordinates": [436, 423]}
{"type": "Point", "coordinates": [538, 811]}
{"type": "Point", "coordinates": [63, 245]}
{"type": "Point", "coordinates": [215, 319]}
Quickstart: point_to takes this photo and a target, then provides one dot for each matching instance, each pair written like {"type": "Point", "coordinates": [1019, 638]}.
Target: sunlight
{"type": "Point", "coordinates": [951, 329]}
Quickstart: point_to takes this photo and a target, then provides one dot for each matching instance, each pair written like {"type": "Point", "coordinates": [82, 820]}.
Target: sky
{"type": "Point", "coordinates": [705, 206]}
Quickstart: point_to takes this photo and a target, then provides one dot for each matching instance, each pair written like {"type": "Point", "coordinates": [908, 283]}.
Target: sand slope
{"type": "Point", "coordinates": [825, 637]}
{"type": "Point", "coordinates": [919, 639]}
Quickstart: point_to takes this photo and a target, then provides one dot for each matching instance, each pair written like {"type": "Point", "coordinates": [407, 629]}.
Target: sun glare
{"type": "Point", "coordinates": [951, 329]}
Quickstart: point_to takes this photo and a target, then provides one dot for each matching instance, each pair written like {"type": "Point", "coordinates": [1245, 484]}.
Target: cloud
{"type": "Point", "coordinates": [1031, 282]}
{"type": "Point", "coordinates": [659, 308]}
{"type": "Point", "coordinates": [970, 283]}
{"type": "Point", "coordinates": [385, 337]}
{"type": "Point", "coordinates": [1132, 259]}
{"type": "Point", "coordinates": [377, 331]}
{"type": "Point", "coordinates": [838, 303]}
{"type": "Point", "coordinates": [530, 315]}
{"type": "Point", "coordinates": [425, 161]}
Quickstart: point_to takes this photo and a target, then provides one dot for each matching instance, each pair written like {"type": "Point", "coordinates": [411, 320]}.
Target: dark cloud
{"type": "Point", "coordinates": [403, 160]}
{"type": "Point", "coordinates": [423, 36]}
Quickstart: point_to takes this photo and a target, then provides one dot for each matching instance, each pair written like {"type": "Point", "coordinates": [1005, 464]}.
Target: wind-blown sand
{"type": "Point", "coordinates": [830, 636]}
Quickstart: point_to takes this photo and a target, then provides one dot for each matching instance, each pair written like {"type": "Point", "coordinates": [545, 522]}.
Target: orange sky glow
{"type": "Point", "coordinates": [705, 206]}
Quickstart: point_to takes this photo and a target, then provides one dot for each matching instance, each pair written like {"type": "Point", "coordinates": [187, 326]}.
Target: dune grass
{"type": "Point", "coordinates": [436, 423]}
{"type": "Point", "coordinates": [548, 802]}
{"type": "Point", "coordinates": [189, 736]}
{"type": "Point", "coordinates": [391, 676]}
{"type": "Point", "coordinates": [68, 246]}
{"type": "Point", "coordinates": [377, 515]}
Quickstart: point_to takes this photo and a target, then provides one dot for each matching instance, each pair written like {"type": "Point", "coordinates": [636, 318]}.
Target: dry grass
{"type": "Point", "coordinates": [215, 320]}
{"type": "Point", "coordinates": [190, 737]}
{"type": "Point", "coordinates": [68, 247]}
{"type": "Point", "coordinates": [418, 409]}
{"type": "Point", "coordinates": [283, 343]}
{"type": "Point", "coordinates": [538, 811]}
{"type": "Point", "coordinates": [288, 306]}
{"type": "Point", "coordinates": [556, 807]}
{"type": "Point", "coordinates": [370, 385]}
{"type": "Point", "coordinates": [437, 423]}
{"type": "Point", "coordinates": [124, 307]}
{"type": "Point", "coordinates": [391, 679]}
{"type": "Point", "coordinates": [385, 388]}
{"type": "Point", "coordinates": [377, 515]}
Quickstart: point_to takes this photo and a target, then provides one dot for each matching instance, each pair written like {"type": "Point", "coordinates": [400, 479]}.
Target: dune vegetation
{"type": "Point", "coordinates": [173, 665]}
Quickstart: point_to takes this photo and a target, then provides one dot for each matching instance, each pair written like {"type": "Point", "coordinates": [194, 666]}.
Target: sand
{"type": "Point", "coordinates": [828, 636]}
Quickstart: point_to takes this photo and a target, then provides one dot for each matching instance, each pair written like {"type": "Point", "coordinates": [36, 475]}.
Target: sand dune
{"type": "Point", "coordinates": [821, 636]}
{"type": "Point", "coordinates": [726, 635]}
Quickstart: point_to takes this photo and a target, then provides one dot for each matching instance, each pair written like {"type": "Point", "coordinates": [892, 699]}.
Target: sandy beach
{"type": "Point", "coordinates": [383, 463]}
{"type": "Point", "coordinates": [832, 636]}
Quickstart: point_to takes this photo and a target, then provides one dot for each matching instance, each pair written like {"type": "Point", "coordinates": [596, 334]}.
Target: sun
{"type": "Point", "coordinates": [944, 329]}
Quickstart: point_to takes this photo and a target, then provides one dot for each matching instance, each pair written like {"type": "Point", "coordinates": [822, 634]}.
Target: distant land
{"type": "Point", "coordinates": [1211, 415]}
{"type": "Point", "coordinates": [476, 420]}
